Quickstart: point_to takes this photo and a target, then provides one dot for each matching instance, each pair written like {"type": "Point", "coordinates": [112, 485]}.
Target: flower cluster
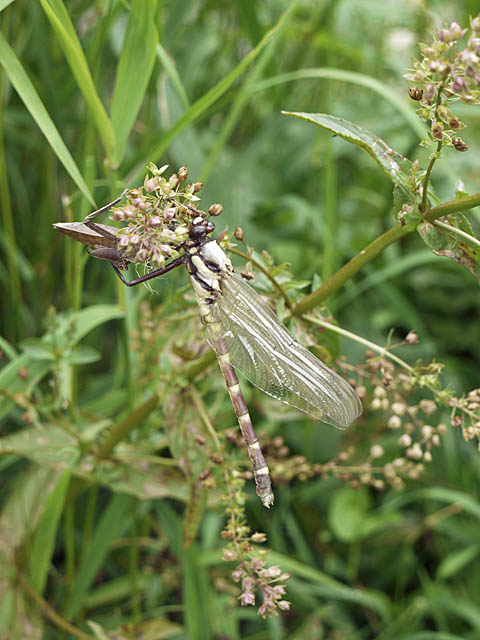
{"type": "Point", "coordinates": [466, 414]}
{"type": "Point", "coordinates": [158, 216]}
{"type": "Point", "coordinates": [251, 570]}
{"type": "Point", "coordinates": [444, 75]}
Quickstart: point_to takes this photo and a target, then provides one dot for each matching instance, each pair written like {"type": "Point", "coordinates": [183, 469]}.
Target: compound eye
{"type": "Point", "coordinates": [197, 231]}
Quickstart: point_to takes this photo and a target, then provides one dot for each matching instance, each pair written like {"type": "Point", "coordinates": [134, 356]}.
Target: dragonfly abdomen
{"type": "Point", "coordinates": [260, 468]}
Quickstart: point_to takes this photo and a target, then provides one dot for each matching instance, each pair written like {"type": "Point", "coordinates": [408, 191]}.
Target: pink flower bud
{"type": "Point", "coordinates": [444, 35]}
{"type": "Point", "coordinates": [155, 221]}
{"type": "Point", "coordinates": [169, 213]}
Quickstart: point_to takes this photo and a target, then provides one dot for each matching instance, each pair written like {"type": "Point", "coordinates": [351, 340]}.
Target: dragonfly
{"type": "Point", "coordinates": [244, 332]}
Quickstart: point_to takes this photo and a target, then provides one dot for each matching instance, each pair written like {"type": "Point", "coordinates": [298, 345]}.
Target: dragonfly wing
{"type": "Point", "coordinates": [264, 351]}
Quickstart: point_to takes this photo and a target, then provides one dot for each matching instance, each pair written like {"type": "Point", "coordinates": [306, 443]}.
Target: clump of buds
{"type": "Point", "coordinates": [158, 216]}
{"type": "Point", "coordinates": [447, 73]}
{"type": "Point", "coordinates": [251, 570]}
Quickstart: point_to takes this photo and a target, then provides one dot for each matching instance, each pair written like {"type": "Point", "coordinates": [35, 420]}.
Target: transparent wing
{"type": "Point", "coordinates": [262, 349]}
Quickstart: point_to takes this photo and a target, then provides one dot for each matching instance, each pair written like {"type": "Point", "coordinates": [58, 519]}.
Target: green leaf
{"type": "Point", "coordinates": [11, 379]}
{"type": "Point", "coordinates": [348, 512]}
{"type": "Point", "coordinates": [25, 89]}
{"type": "Point", "coordinates": [452, 237]}
{"type": "Point", "coordinates": [195, 593]}
{"type": "Point", "coordinates": [44, 540]}
{"type": "Point", "coordinates": [38, 349]}
{"type": "Point", "coordinates": [134, 472]}
{"type": "Point", "coordinates": [4, 4]}
{"type": "Point", "coordinates": [21, 511]}
{"type": "Point", "coordinates": [456, 561]}
{"type": "Point", "coordinates": [63, 27]}
{"type": "Point", "coordinates": [83, 355]}
{"type": "Point", "coordinates": [134, 71]}
{"type": "Point", "coordinates": [87, 319]}
{"type": "Point", "coordinates": [392, 163]}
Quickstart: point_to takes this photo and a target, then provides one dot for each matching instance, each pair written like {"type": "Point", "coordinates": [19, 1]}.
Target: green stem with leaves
{"type": "Point", "coordinates": [374, 248]}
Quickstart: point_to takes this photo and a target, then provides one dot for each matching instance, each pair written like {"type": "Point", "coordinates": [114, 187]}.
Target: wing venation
{"type": "Point", "coordinates": [264, 351]}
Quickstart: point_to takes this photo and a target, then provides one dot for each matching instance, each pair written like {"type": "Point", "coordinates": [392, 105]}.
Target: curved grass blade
{"type": "Point", "coordinates": [202, 104]}
{"type": "Point", "coordinates": [25, 89]}
{"type": "Point", "coordinates": [171, 70]}
{"type": "Point", "coordinates": [63, 27]}
{"type": "Point", "coordinates": [359, 79]}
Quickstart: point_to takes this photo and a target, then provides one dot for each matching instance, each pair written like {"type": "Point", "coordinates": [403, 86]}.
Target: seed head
{"type": "Point", "coordinates": [215, 210]}
{"type": "Point", "coordinates": [415, 93]}
{"type": "Point", "coordinates": [182, 174]}
{"type": "Point", "coordinates": [459, 144]}
{"type": "Point", "coordinates": [239, 234]}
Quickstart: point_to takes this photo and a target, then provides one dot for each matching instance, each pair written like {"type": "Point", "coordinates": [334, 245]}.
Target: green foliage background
{"type": "Point", "coordinates": [364, 564]}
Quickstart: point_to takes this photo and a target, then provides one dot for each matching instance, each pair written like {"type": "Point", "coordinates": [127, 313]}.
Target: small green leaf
{"type": "Point", "coordinates": [116, 518]}
{"type": "Point", "coordinates": [348, 512]}
{"type": "Point", "coordinates": [456, 561]}
{"type": "Point", "coordinates": [460, 190]}
{"type": "Point", "coordinates": [87, 319]}
{"type": "Point", "coordinates": [457, 242]}
{"type": "Point", "coordinates": [83, 355]}
{"type": "Point", "coordinates": [38, 349]}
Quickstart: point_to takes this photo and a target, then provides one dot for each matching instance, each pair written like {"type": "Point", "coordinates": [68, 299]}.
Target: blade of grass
{"type": "Point", "coordinates": [202, 104]}
{"type": "Point", "coordinates": [197, 620]}
{"type": "Point", "coordinates": [13, 272]}
{"type": "Point", "coordinates": [63, 27]}
{"type": "Point", "coordinates": [25, 89]}
{"type": "Point", "coordinates": [133, 72]}
{"type": "Point", "coordinates": [44, 541]}
{"type": "Point", "coordinates": [115, 519]}
{"type": "Point", "coordinates": [360, 79]}
{"type": "Point", "coordinates": [171, 71]}
{"type": "Point", "coordinates": [240, 103]}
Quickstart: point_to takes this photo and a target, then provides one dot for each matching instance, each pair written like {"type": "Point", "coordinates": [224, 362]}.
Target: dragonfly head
{"type": "Point", "coordinates": [200, 229]}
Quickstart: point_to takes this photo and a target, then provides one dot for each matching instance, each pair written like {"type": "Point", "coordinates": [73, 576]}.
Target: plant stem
{"type": "Point", "coordinates": [122, 429]}
{"type": "Point", "coordinates": [49, 612]}
{"type": "Point", "coordinates": [435, 155]}
{"type": "Point", "coordinates": [197, 399]}
{"type": "Point", "coordinates": [433, 159]}
{"type": "Point", "coordinates": [266, 272]}
{"type": "Point", "coordinates": [452, 229]}
{"type": "Point", "coordinates": [353, 336]}
{"type": "Point", "coordinates": [374, 248]}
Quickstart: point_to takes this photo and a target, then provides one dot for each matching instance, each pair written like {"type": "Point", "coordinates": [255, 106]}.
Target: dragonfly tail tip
{"type": "Point", "coordinates": [267, 500]}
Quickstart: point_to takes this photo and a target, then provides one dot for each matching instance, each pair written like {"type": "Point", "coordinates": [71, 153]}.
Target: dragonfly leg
{"type": "Point", "coordinates": [153, 274]}
{"type": "Point", "coordinates": [260, 468]}
{"type": "Point", "coordinates": [108, 206]}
